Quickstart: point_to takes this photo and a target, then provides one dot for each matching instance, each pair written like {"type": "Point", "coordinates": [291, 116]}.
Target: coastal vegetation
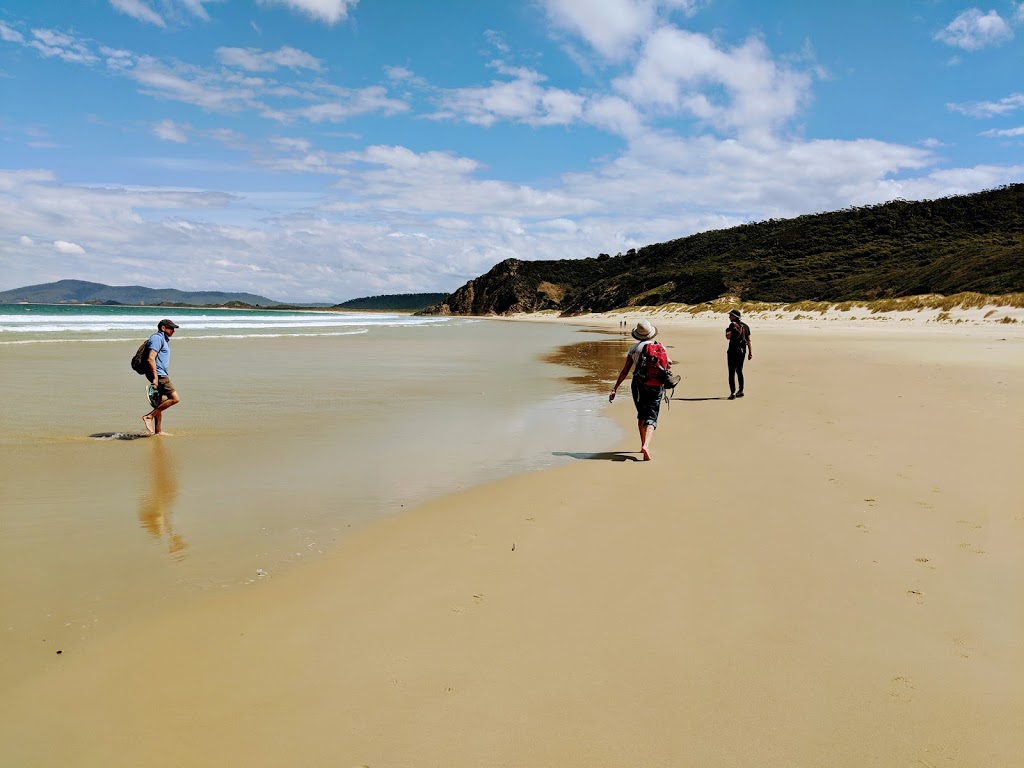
{"type": "Point", "coordinates": [969, 245]}
{"type": "Point", "coordinates": [396, 302]}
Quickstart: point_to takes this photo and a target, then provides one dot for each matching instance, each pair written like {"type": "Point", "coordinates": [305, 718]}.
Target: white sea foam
{"type": "Point", "coordinates": [40, 325]}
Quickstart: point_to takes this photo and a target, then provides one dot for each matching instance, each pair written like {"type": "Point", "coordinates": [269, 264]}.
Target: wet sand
{"type": "Point", "coordinates": [280, 448]}
{"type": "Point", "coordinates": [827, 572]}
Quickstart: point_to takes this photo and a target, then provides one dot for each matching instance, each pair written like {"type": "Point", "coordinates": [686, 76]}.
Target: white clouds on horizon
{"type": "Point", "coordinates": [973, 30]}
{"type": "Point", "coordinates": [399, 220]}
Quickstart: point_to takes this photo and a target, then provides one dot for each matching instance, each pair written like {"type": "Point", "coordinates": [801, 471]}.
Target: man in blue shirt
{"type": "Point", "coordinates": [159, 361]}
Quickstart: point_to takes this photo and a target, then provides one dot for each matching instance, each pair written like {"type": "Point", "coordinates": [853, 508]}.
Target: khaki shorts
{"type": "Point", "coordinates": [164, 387]}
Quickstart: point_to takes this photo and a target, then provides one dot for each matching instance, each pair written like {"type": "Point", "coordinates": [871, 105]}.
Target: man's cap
{"type": "Point", "coordinates": [167, 324]}
{"type": "Point", "coordinates": [734, 313]}
{"type": "Point", "coordinates": [644, 331]}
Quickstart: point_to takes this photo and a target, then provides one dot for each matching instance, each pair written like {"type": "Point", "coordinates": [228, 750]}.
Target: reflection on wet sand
{"type": "Point", "coordinates": [157, 500]}
{"type": "Point", "coordinates": [597, 362]}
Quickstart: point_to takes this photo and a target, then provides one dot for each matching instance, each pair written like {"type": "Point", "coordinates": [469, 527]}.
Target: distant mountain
{"type": "Point", "coordinates": [967, 243]}
{"type": "Point", "coordinates": [82, 292]}
{"type": "Point", "coordinates": [396, 302]}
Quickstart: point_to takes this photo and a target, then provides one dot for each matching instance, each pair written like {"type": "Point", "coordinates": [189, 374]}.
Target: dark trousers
{"type": "Point", "coordinates": [736, 358]}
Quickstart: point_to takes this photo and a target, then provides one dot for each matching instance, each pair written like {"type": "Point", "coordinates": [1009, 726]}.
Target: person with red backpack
{"type": "Point", "coordinates": [652, 371]}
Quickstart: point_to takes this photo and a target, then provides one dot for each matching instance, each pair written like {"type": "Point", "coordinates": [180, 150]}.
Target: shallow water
{"type": "Point", "coordinates": [279, 447]}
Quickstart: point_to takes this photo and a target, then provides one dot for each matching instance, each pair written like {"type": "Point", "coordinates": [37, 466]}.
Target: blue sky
{"type": "Point", "coordinates": [321, 150]}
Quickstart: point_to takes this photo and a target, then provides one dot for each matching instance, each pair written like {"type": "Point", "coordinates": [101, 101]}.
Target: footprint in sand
{"type": "Point", "coordinates": [961, 647]}
{"type": "Point", "coordinates": [967, 546]}
{"type": "Point", "coordinates": [477, 599]}
{"type": "Point", "coordinates": [900, 688]}
{"type": "Point", "coordinates": [974, 525]}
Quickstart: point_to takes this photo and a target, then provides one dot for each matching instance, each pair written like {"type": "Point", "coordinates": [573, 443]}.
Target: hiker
{"type": "Point", "coordinates": [646, 397]}
{"type": "Point", "coordinates": [159, 360]}
{"type": "Point", "coordinates": [740, 346]}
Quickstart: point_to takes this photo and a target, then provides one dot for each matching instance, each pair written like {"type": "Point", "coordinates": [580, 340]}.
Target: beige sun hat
{"type": "Point", "coordinates": [644, 331]}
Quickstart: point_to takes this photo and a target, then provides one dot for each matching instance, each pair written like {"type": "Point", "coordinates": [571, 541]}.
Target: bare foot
{"type": "Point", "coordinates": [148, 421]}
{"type": "Point", "coordinates": [163, 434]}
{"type": "Point", "coordinates": [647, 453]}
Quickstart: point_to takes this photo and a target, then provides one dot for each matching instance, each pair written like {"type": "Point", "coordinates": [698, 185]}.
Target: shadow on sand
{"type": "Point", "coordinates": [606, 456]}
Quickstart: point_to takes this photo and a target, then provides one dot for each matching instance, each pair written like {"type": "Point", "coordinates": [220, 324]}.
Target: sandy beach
{"type": "Point", "coordinates": [829, 572]}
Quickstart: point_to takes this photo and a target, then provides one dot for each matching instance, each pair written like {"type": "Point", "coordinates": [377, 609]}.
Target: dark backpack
{"type": "Point", "coordinates": [140, 360]}
{"type": "Point", "coordinates": [652, 368]}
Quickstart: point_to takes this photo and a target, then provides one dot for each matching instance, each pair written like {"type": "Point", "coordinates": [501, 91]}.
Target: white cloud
{"type": "Point", "coordinates": [615, 115]}
{"type": "Point", "coordinates": [140, 10]}
{"type": "Point", "coordinates": [973, 30]}
{"type": "Point", "coordinates": [740, 90]}
{"type": "Point", "coordinates": [330, 11]}
{"type": "Point", "coordinates": [168, 130]}
{"type": "Point", "coordinates": [613, 27]}
{"type": "Point", "coordinates": [9, 35]}
{"type": "Point", "coordinates": [984, 109]}
{"type": "Point", "coordinates": [25, 240]}
{"type": "Point", "coordinates": [52, 44]}
{"type": "Point", "coordinates": [349, 104]}
{"type": "Point", "coordinates": [522, 99]}
{"type": "Point", "coordinates": [254, 60]}
{"type": "Point", "coordinates": [71, 249]}
{"type": "Point", "coordinates": [1004, 133]}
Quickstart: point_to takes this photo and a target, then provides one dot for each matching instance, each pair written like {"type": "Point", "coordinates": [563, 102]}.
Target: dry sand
{"type": "Point", "coordinates": [826, 573]}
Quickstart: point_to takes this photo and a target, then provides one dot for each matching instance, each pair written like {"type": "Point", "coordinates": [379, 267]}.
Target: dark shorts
{"type": "Point", "coordinates": [648, 403]}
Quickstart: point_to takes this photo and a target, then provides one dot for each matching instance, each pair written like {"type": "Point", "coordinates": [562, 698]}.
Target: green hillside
{"type": "Point", "coordinates": [396, 302]}
{"type": "Point", "coordinates": [957, 244]}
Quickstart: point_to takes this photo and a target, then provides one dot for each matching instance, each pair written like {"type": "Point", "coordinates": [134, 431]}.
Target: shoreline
{"type": "Point", "coordinates": [861, 572]}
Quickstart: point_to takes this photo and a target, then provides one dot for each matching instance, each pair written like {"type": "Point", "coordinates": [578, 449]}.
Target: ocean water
{"type": "Point", "coordinates": [39, 323]}
{"type": "Point", "coordinates": [294, 429]}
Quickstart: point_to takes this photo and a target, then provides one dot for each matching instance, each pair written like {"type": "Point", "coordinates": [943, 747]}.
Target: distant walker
{"type": "Point", "coordinates": [740, 347]}
{"type": "Point", "coordinates": [158, 361]}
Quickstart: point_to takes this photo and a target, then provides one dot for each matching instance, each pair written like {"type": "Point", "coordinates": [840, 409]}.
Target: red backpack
{"type": "Point", "coordinates": [652, 366]}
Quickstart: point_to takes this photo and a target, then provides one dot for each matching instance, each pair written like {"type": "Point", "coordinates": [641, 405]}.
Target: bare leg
{"type": "Point", "coordinates": [154, 419]}
{"type": "Point", "coordinates": [646, 433]}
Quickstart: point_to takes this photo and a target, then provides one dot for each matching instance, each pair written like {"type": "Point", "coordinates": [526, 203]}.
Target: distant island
{"type": "Point", "coordinates": [969, 243]}
{"type": "Point", "coordinates": [83, 292]}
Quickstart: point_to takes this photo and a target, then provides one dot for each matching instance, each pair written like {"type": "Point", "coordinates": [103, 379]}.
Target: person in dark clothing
{"type": "Point", "coordinates": [740, 347]}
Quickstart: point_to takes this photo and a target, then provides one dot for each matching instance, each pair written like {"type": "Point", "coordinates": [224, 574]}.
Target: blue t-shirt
{"type": "Point", "coordinates": [162, 345]}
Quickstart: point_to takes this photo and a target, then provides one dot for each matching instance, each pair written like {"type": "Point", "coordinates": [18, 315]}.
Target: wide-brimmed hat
{"type": "Point", "coordinates": [644, 331]}
{"type": "Point", "coordinates": [734, 313]}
